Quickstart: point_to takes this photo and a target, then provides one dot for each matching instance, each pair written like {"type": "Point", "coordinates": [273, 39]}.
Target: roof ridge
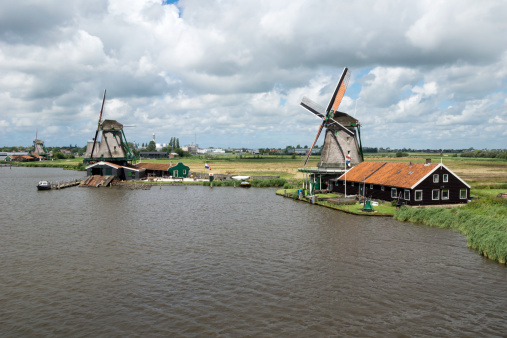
{"type": "Point", "coordinates": [375, 171]}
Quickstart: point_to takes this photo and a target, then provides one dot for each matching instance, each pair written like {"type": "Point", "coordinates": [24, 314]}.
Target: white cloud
{"type": "Point", "coordinates": [223, 69]}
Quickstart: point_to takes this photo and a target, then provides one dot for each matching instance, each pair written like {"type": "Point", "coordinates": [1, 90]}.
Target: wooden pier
{"type": "Point", "coordinates": [63, 185]}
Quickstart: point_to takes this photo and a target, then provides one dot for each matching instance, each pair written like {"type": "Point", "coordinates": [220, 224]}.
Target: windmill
{"type": "Point", "coordinates": [113, 146]}
{"type": "Point", "coordinates": [342, 145]}
{"type": "Point", "coordinates": [39, 148]}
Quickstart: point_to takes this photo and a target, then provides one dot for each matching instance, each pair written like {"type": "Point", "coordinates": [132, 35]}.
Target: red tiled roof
{"type": "Point", "coordinates": [154, 166]}
{"type": "Point", "coordinates": [402, 175]}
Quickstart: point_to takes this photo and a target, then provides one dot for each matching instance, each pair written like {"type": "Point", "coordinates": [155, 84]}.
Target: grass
{"type": "Point", "coordinates": [383, 209]}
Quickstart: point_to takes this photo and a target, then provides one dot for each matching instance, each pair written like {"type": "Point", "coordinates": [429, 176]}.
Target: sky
{"type": "Point", "coordinates": [228, 73]}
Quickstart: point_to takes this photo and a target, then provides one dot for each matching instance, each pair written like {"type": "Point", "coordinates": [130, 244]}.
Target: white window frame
{"type": "Point", "coordinates": [382, 188]}
{"type": "Point", "coordinates": [371, 186]}
{"type": "Point", "coordinates": [418, 192]}
{"type": "Point", "coordinates": [405, 194]}
{"type": "Point", "coordinates": [445, 198]}
{"type": "Point", "coordinates": [394, 192]}
{"type": "Point", "coordinates": [461, 194]}
{"type": "Point", "coordinates": [445, 178]}
{"type": "Point", "coordinates": [435, 178]}
{"type": "Point", "coordinates": [433, 194]}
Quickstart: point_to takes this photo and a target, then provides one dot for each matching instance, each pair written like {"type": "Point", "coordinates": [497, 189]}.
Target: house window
{"type": "Point", "coordinates": [406, 194]}
{"type": "Point", "coordinates": [394, 193]}
{"type": "Point", "coordinates": [435, 194]}
{"type": "Point", "coordinates": [445, 194]}
{"type": "Point", "coordinates": [382, 188]}
{"type": "Point", "coordinates": [435, 178]}
{"type": "Point", "coordinates": [463, 194]}
{"type": "Point", "coordinates": [352, 184]}
{"type": "Point", "coordinates": [371, 186]}
{"type": "Point", "coordinates": [184, 172]}
{"type": "Point", "coordinates": [445, 178]}
{"type": "Point", "coordinates": [418, 195]}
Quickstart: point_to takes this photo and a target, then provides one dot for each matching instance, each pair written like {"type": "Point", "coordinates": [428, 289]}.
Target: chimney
{"type": "Point", "coordinates": [428, 161]}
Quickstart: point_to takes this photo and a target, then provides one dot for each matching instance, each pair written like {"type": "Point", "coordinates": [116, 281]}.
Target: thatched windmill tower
{"type": "Point", "coordinates": [39, 148]}
{"type": "Point", "coordinates": [113, 146]}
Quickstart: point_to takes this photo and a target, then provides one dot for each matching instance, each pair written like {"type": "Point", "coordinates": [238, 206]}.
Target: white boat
{"type": "Point", "coordinates": [245, 184]}
{"type": "Point", "coordinates": [44, 185]}
{"type": "Point", "coordinates": [240, 178]}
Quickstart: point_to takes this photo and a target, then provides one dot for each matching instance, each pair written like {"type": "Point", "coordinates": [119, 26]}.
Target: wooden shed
{"type": "Point", "coordinates": [179, 170]}
{"type": "Point", "coordinates": [411, 183]}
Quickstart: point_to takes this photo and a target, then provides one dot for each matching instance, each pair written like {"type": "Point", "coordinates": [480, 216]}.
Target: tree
{"type": "Point", "coordinates": [151, 146]}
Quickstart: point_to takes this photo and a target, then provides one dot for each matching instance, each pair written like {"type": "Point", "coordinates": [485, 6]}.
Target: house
{"type": "Point", "coordinates": [412, 183]}
{"type": "Point", "coordinates": [153, 154]}
{"type": "Point", "coordinates": [155, 169]}
{"type": "Point", "coordinates": [126, 173]}
{"type": "Point", "coordinates": [179, 170]}
{"type": "Point", "coordinates": [165, 169]}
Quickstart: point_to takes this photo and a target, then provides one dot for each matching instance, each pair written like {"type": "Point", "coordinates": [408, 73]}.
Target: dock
{"type": "Point", "coordinates": [63, 185]}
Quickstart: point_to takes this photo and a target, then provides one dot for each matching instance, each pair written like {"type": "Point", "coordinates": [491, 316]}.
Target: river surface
{"type": "Point", "coordinates": [199, 261]}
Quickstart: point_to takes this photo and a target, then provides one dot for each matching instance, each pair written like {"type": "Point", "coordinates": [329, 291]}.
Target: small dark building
{"type": "Point", "coordinates": [179, 170]}
{"type": "Point", "coordinates": [153, 154]}
{"type": "Point", "coordinates": [111, 169]}
{"type": "Point", "coordinates": [411, 183]}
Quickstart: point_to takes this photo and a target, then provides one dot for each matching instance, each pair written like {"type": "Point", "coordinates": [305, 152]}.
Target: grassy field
{"type": "Point", "coordinates": [480, 173]}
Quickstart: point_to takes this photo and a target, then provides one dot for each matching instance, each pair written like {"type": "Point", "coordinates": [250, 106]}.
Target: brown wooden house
{"type": "Point", "coordinates": [411, 183]}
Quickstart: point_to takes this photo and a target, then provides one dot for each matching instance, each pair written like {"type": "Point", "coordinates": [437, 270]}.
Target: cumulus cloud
{"type": "Point", "coordinates": [231, 73]}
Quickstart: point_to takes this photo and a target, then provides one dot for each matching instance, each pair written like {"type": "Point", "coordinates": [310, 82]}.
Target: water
{"type": "Point", "coordinates": [200, 261]}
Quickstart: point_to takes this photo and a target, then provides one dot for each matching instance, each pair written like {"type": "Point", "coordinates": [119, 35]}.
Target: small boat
{"type": "Point", "coordinates": [245, 184]}
{"type": "Point", "coordinates": [44, 185]}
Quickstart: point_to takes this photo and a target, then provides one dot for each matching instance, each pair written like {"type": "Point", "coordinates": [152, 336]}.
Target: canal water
{"type": "Point", "coordinates": [200, 261]}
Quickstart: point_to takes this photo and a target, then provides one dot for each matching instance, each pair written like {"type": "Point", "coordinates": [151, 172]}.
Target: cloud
{"type": "Point", "coordinates": [233, 73]}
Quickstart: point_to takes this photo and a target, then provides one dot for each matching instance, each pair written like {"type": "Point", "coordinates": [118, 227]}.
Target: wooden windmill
{"type": "Point", "coordinates": [39, 148]}
{"type": "Point", "coordinates": [113, 146]}
{"type": "Point", "coordinates": [342, 142]}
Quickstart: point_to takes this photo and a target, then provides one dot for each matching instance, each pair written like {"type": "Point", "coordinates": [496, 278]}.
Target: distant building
{"type": "Point", "coordinates": [153, 154]}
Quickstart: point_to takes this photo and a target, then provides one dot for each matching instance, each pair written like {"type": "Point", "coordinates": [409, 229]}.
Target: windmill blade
{"type": "Point", "coordinates": [337, 97]}
{"type": "Point", "coordinates": [102, 108]}
{"type": "Point", "coordinates": [313, 107]}
{"type": "Point", "coordinates": [314, 141]}
{"type": "Point", "coordinates": [98, 124]}
{"type": "Point", "coordinates": [341, 126]}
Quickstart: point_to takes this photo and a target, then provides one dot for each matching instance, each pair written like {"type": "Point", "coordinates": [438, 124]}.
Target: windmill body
{"type": "Point", "coordinates": [338, 144]}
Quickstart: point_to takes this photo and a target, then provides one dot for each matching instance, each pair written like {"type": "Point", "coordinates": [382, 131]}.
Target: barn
{"type": "Point", "coordinates": [165, 169]}
{"type": "Point", "coordinates": [411, 183]}
{"type": "Point", "coordinates": [126, 173]}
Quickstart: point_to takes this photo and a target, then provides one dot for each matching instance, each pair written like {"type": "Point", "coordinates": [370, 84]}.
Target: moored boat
{"type": "Point", "coordinates": [245, 184]}
{"type": "Point", "coordinates": [44, 185]}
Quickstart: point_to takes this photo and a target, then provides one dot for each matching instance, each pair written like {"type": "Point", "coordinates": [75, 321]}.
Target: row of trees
{"type": "Point", "coordinates": [486, 154]}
